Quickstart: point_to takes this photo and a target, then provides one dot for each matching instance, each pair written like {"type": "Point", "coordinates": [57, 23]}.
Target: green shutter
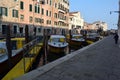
{"type": "Point", "coordinates": [38, 9]}
{"type": "Point", "coordinates": [0, 11]}
{"type": "Point", "coordinates": [12, 13]}
{"type": "Point", "coordinates": [35, 9]}
{"type": "Point", "coordinates": [17, 13]}
{"type": "Point", "coordinates": [6, 11]}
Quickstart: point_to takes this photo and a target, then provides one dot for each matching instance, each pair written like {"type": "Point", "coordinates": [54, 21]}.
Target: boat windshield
{"type": "Point", "coordinates": [77, 37]}
{"type": "Point", "coordinates": [3, 49]}
{"type": "Point", "coordinates": [58, 40]}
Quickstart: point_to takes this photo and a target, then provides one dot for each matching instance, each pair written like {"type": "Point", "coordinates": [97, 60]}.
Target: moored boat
{"type": "Point", "coordinates": [17, 44]}
{"type": "Point", "coordinates": [57, 44]}
{"type": "Point", "coordinates": [77, 40]}
{"type": "Point", "coordinates": [93, 37]}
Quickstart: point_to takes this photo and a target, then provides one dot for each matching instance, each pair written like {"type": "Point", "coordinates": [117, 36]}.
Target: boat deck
{"type": "Point", "coordinates": [23, 65]}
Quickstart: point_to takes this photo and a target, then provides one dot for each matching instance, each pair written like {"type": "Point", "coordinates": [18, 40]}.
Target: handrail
{"type": "Point", "coordinates": [27, 48]}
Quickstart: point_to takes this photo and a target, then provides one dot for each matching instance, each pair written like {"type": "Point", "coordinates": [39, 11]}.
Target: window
{"type": "Point", "coordinates": [37, 9]}
{"type": "Point", "coordinates": [50, 14]}
{"type": "Point", "coordinates": [30, 7]}
{"type": "Point", "coordinates": [30, 19]}
{"type": "Point", "coordinates": [15, 0]}
{"type": "Point", "coordinates": [46, 12]}
{"type": "Point", "coordinates": [22, 17]}
{"type": "Point", "coordinates": [42, 11]}
{"type": "Point", "coordinates": [21, 5]}
{"type": "Point", "coordinates": [39, 30]}
{"type": "Point", "coordinates": [37, 20]}
{"type": "Point", "coordinates": [3, 11]}
{"type": "Point", "coordinates": [42, 21]}
{"type": "Point", "coordinates": [4, 28]}
{"type": "Point", "coordinates": [55, 23]}
{"type": "Point", "coordinates": [50, 2]}
{"type": "Point", "coordinates": [47, 22]}
{"type": "Point", "coordinates": [15, 13]}
{"type": "Point", "coordinates": [55, 15]}
{"type": "Point", "coordinates": [55, 5]}
{"type": "Point", "coordinates": [15, 29]}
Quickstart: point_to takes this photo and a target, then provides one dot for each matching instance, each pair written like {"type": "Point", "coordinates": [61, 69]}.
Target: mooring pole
{"type": "Point", "coordinates": [8, 44]}
{"type": "Point", "coordinates": [45, 46]}
{"type": "Point", "coordinates": [70, 40]}
{"type": "Point", "coordinates": [26, 34]}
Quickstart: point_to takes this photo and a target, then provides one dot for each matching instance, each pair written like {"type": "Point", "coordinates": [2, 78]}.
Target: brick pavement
{"type": "Point", "coordinates": [101, 61]}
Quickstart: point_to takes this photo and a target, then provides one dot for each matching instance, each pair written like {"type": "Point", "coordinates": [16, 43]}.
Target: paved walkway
{"type": "Point", "coordinates": [100, 61]}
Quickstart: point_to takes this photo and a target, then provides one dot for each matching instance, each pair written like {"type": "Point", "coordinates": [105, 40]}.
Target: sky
{"type": "Point", "coordinates": [97, 10]}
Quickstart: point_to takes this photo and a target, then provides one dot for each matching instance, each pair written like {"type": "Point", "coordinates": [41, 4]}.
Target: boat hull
{"type": "Point", "coordinates": [4, 66]}
{"type": "Point", "coordinates": [91, 39]}
{"type": "Point", "coordinates": [77, 44]}
{"type": "Point", "coordinates": [54, 49]}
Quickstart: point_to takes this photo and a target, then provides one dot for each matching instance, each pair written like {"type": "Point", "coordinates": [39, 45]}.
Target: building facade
{"type": "Point", "coordinates": [76, 22]}
{"type": "Point", "coordinates": [95, 26]}
{"type": "Point", "coordinates": [52, 15]}
{"type": "Point", "coordinates": [100, 24]}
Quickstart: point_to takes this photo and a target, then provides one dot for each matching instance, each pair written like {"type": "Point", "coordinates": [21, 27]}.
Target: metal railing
{"type": "Point", "coordinates": [29, 52]}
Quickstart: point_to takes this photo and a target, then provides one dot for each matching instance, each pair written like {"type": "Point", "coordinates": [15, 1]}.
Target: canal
{"type": "Point", "coordinates": [51, 57]}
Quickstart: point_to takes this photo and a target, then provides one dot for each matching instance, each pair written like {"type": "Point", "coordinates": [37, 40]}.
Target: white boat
{"type": "Point", "coordinates": [57, 44]}
{"type": "Point", "coordinates": [15, 56]}
{"type": "Point", "coordinates": [77, 40]}
{"type": "Point", "coordinates": [93, 36]}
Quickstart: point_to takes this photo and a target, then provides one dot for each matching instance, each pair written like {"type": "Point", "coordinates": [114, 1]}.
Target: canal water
{"type": "Point", "coordinates": [51, 56]}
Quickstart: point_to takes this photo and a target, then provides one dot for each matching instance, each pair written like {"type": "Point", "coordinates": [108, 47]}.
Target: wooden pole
{"type": "Point", "coordinates": [35, 32]}
{"type": "Point", "coordinates": [26, 34]}
{"type": "Point", "coordinates": [45, 46]}
{"type": "Point", "coordinates": [70, 40]}
{"type": "Point", "coordinates": [8, 44]}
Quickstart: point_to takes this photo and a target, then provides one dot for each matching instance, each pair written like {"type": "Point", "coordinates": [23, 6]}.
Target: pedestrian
{"type": "Point", "coordinates": [116, 37]}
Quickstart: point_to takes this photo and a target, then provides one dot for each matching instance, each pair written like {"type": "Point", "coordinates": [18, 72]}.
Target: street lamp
{"type": "Point", "coordinates": [118, 18]}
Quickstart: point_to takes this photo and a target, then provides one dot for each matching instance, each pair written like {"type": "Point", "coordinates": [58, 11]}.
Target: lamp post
{"type": "Point", "coordinates": [118, 18]}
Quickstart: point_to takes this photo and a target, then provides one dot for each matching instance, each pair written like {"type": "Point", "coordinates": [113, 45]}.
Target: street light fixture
{"type": "Point", "coordinates": [118, 18]}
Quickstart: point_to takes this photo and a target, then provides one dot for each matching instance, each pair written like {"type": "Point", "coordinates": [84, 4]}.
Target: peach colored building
{"type": "Point", "coordinates": [39, 14]}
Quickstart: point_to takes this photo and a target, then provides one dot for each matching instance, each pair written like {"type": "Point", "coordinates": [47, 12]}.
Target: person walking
{"type": "Point", "coordinates": [116, 37]}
